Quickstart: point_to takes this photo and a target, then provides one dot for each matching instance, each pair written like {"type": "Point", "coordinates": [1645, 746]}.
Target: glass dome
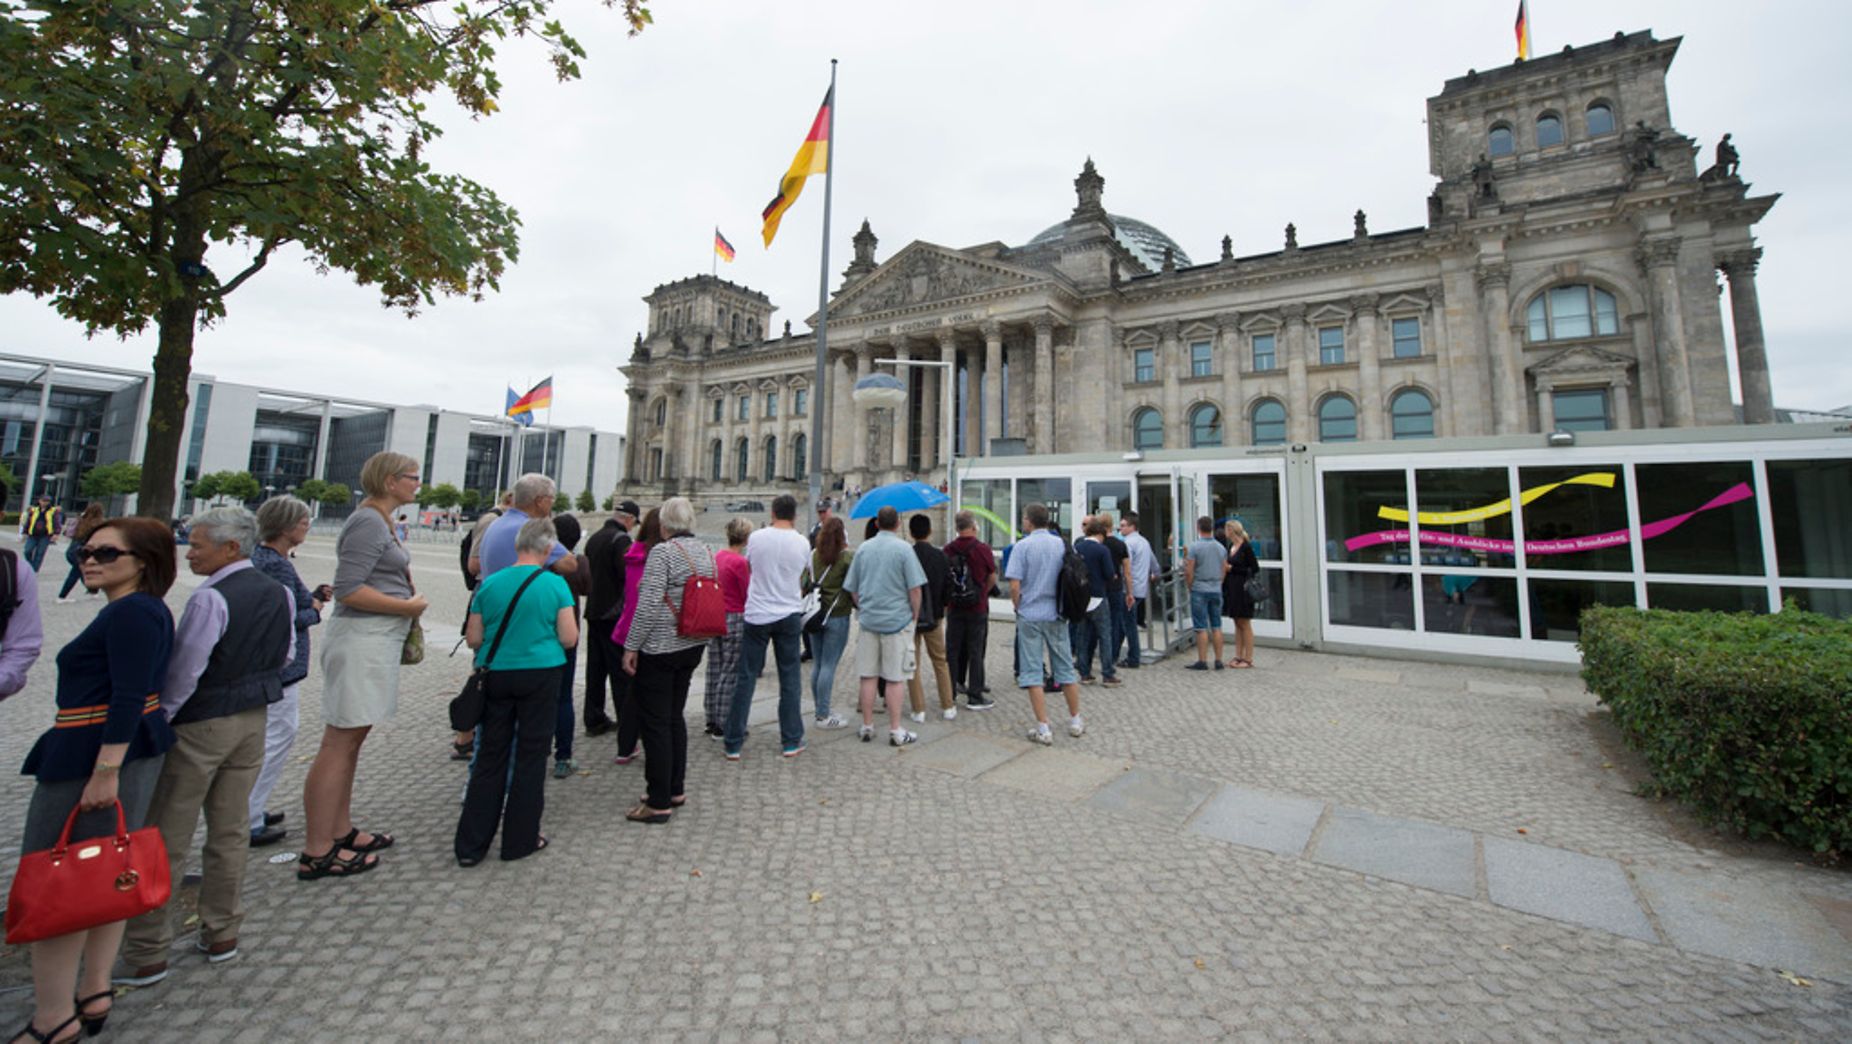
{"type": "Point", "coordinates": [1144, 241]}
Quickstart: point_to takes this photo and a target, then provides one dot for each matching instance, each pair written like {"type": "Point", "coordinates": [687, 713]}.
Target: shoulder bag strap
{"type": "Point", "coordinates": [507, 615]}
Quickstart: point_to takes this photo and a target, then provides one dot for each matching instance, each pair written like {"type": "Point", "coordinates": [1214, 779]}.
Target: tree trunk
{"type": "Point", "coordinates": [173, 365]}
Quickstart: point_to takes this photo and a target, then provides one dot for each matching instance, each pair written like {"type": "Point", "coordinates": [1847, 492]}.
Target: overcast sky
{"type": "Point", "coordinates": [961, 123]}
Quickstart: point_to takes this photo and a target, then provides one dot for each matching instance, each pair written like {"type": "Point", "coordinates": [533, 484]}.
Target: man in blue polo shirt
{"type": "Point", "coordinates": [1034, 571]}
{"type": "Point", "coordinates": [533, 498]}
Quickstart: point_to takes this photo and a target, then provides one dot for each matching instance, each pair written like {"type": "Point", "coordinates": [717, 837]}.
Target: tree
{"type": "Point", "coordinates": [109, 480]}
{"type": "Point", "coordinates": [337, 494]}
{"type": "Point", "coordinates": [135, 138]}
{"type": "Point", "coordinates": [8, 483]}
{"type": "Point", "coordinates": [587, 502]}
{"type": "Point", "coordinates": [311, 490]}
{"type": "Point", "coordinates": [470, 500]}
{"type": "Point", "coordinates": [446, 496]}
{"type": "Point", "coordinates": [610, 502]}
{"type": "Point", "coordinates": [238, 486]}
{"type": "Point", "coordinates": [206, 487]}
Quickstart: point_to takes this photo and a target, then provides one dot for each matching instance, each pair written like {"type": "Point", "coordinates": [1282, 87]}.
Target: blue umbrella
{"type": "Point", "coordinates": [901, 496]}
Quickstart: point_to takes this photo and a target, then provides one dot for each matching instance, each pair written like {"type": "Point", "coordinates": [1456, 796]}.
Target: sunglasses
{"type": "Point", "coordinates": [103, 555]}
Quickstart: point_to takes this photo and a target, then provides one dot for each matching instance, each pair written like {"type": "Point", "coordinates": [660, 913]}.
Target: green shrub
{"type": "Point", "coordinates": [1747, 718]}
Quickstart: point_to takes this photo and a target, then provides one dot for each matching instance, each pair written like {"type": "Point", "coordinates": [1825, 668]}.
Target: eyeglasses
{"type": "Point", "coordinates": [413, 475]}
{"type": "Point", "coordinates": [105, 555]}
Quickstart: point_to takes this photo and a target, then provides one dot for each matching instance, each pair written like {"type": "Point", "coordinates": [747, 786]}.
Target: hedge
{"type": "Point", "coordinates": [1747, 718]}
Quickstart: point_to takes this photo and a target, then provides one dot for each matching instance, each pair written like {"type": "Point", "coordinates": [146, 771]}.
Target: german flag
{"type": "Point", "coordinates": [1523, 31]}
{"type": "Point", "coordinates": [722, 247]}
{"type": "Point", "coordinates": [539, 397]}
{"type": "Point", "coordinates": [813, 157]}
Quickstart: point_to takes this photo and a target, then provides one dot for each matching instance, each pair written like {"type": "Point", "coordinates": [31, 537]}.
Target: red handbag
{"type": "Point", "coordinates": [72, 888]}
{"type": "Point", "coordinates": [704, 607]}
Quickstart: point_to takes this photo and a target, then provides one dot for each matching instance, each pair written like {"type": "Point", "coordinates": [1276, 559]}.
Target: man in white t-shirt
{"type": "Point", "coordinates": [778, 556]}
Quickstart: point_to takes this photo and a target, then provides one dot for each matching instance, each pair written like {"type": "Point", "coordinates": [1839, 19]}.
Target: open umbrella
{"type": "Point", "coordinates": [901, 496]}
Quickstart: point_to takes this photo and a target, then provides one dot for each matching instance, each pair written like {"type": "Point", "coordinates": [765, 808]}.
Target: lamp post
{"type": "Point", "coordinates": [880, 389]}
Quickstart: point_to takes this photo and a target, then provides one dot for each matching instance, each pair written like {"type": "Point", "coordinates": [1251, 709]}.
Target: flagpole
{"type": "Point", "coordinates": [818, 388]}
{"type": "Point", "coordinates": [714, 254]}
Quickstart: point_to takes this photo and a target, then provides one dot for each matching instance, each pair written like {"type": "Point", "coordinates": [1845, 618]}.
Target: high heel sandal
{"type": "Point", "coordinates": [50, 1035]}
{"type": "Point", "coordinates": [93, 1024]}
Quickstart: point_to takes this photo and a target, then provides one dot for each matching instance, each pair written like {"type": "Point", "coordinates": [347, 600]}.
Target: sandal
{"type": "Point", "coordinates": [93, 1024]}
{"type": "Point", "coordinates": [330, 864]}
{"type": "Point", "coordinates": [51, 1034]}
{"type": "Point", "coordinates": [645, 814]}
{"type": "Point", "coordinates": [675, 802]}
{"type": "Point", "coordinates": [461, 750]}
{"type": "Point", "coordinates": [352, 842]}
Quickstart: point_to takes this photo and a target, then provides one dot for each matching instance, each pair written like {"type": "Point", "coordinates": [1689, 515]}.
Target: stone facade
{"type": "Point", "coordinates": [1567, 277]}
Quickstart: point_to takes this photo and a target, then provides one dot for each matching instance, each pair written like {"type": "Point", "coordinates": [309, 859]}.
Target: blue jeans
{"type": "Point", "coordinates": [1206, 610]}
{"type": "Point", "coordinates": [1125, 631]}
{"type": "Point", "coordinates": [826, 653]}
{"type": "Point", "coordinates": [34, 552]}
{"type": "Point", "coordinates": [1033, 639]}
{"type": "Point", "coordinates": [786, 646]}
{"type": "Point", "coordinates": [1093, 635]}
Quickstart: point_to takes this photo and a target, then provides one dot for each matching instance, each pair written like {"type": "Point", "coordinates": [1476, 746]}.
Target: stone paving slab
{"type": "Point", "coordinates": [1165, 797]}
{"type": "Point", "coordinates": [967, 755]}
{"type": "Point", "coordinates": [1567, 886]}
{"type": "Point", "coordinates": [1487, 688]}
{"type": "Point", "coordinates": [1374, 677]}
{"type": "Point", "coordinates": [1420, 854]}
{"type": "Point", "coordinates": [1277, 823]}
{"type": "Point", "coordinates": [1709, 913]}
{"type": "Point", "coordinates": [1065, 775]}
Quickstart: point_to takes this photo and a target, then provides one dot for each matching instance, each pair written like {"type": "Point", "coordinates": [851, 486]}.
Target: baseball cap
{"type": "Point", "coordinates": [629, 507]}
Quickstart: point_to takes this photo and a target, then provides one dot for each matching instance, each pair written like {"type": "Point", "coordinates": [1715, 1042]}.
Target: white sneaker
{"type": "Point", "coordinates": [917, 717]}
{"type": "Point", "coordinates": [1075, 726]}
{"type": "Point", "coordinates": [949, 713]}
{"type": "Point", "coordinates": [66, 600]}
{"type": "Point", "coordinates": [834, 721]}
{"type": "Point", "coordinates": [901, 737]}
{"type": "Point", "coordinates": [866, 732]}
{"type": "Point", "coordinates": [1041, 734]}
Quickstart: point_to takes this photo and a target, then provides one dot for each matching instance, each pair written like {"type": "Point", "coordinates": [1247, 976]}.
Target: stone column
{"type": "Point", "coordinates": [840, 450]}
{"type": "Point", "coordinates": [1739, 266]}
{"type": "Point", "coordinates": [1228, 356]}
{"type": "Point", "coordinates": [1370, 407]}
{"type": "Point", "coordinates": [1042, 408]}
{"type": "Point", "coordinates": [1171, 364]}
{"type": "Point", "coordinates": [1660, 259]}
{"type": "Point", "coordinates": [903, 413]}
{"type": "Point", "coordinates": [635, 453]}
{"type": "Point", "coordinates": [755, 433]}
{"type": "Point", "coordinates": [864, 450]}
{"type": "Point", "coordinates": [1299, 406]}
{"type": "Point", "coordinates": [947, 383]}
{"type": "Point", "coordinates": [1546, 406]}
{"type": "Point", "coordinates": [1501, 350]}
{"type": "Point", "coordinates": [993, 387]}
{"type": "Point", "coordinates": [1620, 404]}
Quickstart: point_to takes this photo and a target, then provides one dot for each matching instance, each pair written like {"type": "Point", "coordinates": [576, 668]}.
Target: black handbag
{"type": "Point", "coordinates": [466, 706]}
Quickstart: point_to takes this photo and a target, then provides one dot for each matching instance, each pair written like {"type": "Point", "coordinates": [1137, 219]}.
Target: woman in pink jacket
{"type": "Point", "coordinates": [629, 721]}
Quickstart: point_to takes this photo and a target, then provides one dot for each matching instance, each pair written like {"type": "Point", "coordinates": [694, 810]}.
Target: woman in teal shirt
{"type": "Point", "coordinates": [523, 687]}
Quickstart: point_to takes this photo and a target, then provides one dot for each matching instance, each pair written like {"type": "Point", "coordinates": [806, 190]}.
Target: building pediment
{"type": "Point", "coordinates": [1581, 363]}
{"type": "Point", "coordinates": [923, 273]}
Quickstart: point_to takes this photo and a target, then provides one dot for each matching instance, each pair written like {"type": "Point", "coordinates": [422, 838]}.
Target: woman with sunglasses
{"type": "Point", "coordinates": [106, 746]}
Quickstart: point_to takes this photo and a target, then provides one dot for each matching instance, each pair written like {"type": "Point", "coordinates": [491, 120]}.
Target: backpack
{"type": "Point", "coordinates": [463, 546]}
{"type": "Point", "coordinates": [1074, 587]}
{"type": "Point", "coordinates": [9, 586]}
{"type": "Point", "coordinates": [960, 590]}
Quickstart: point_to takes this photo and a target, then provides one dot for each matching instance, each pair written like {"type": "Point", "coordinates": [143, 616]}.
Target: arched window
{"type": "Point", "coordinates": [1577, 310]}
{"type": "Point", "coordinates": [1205, 426]}
{"type": "Point", "coordinates": [1147, 429]}
{"type": "Point", "coordinates": [800, 459]}
{"type": "Point", "coordinates": [1499, 142]}
{"type": "Point", "coordinates": [1337, 419]}
{"type": "Point", "coordinates": [770, 460]}
{"type": "Point", "coordinates": [1600, 119]}
{"type": "Point", "coordinates": [662, 412]}
{"type": "Point", "coordinates": [1411, 415]}
{"type": "Point", "coordinates": [1549, 130]}
{"type": "Point", "coordinates": [717, 461]}
{"type": "Point", "coordinates": [740, 450]}
{"type": "Point", "coordinates": [1268, 423]}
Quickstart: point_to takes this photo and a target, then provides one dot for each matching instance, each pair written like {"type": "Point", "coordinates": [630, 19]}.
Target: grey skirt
{"type": "Point", "coordinates": [360, 668]}
{"type": "Point", "coordinates": [52, 804]}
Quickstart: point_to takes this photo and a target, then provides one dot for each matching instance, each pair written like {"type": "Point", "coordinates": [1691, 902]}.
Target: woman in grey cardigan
{"type": "Point", "coordinates": [662, 661]}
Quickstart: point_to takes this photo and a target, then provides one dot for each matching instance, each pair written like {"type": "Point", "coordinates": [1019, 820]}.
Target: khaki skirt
{"type": "Point", "coordinates": [360, 668]}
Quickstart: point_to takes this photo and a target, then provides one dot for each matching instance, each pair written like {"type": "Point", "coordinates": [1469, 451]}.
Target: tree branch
{"type": "Point", "coordinates": [257, 265]}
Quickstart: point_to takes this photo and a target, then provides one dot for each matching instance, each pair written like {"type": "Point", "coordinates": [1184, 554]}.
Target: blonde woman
{"type": "Point", "coordinates": [1236, 602]}
{"type": "Point", "coordinates": [375, 605]}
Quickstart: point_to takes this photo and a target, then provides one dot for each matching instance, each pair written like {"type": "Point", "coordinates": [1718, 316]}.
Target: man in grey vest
{"type": "Point", "coordinates": [234, 639]}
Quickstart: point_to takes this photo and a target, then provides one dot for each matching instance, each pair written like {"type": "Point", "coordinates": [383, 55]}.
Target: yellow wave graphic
{"type": "Point", "coordinates": [1604, 479]}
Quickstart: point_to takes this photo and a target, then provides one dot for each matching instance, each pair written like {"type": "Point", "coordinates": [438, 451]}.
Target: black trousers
{"type": "Point", "coordinates": [624, 704]}
{"type": "Point", "coordinates": [517, 721]}
{"type": "Point", "coordinates": [603, 662]}
{"type": "Point", "coordinates": [966, 637]}
{"type": "Point", "coordinates": [661, 687]}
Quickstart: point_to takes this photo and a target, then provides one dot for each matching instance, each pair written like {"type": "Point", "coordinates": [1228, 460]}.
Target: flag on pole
{"type": "Point", "coordinates": [722, 247]}
{"type": "Point", "coordinates": [1523, 31]}
{"type": "Point", "coordinates": [525, 418]}
{"type": "Point", "coordinates": [813, 157]}
{"type": "Point", "coordinates": [539, 397]}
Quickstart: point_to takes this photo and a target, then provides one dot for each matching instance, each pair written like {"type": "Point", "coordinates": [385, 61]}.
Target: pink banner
{"type": "Point", "coordinates": [1740, 491]}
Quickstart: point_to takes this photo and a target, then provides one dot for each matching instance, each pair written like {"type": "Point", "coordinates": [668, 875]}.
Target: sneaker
{"type": "Point", "coordinates": [901, 737]}
{"type": "Point", "coordinates": [1197, 666]}
{"type": "Point", "coordinates": [1043, 735]}
{"type": "Point", "coordinates": [979, 703]}
{"type": "Point", "coordinates": [564, 767]}
{"type": "Point", "coordinates": [1128, 665]}
{"type": "Point", "coordinates": [867, 732]}
{"type": "Point", "coordinates": [1086, 679]}
{"type": "Point", "coordinates": [715, 732]}
{"type": "Point", "coordinates": [792, 752]}
{"type": "Point", "coordinates": [218, 952]}
{"type": "Point", "coordinates": [731, 755]}
{"type": "Point", "coordinates": [146, 975]}
{"type": "Point", "coordinates": [834, 721]}
{"type": "Point", "coordinates": [1219, 665]}
{"type": "Point", "coordinates": [66, 600]}
{"type": "Point", "coordinates": [1114, 680]}
{"type": "Point", "coordinates": [917, 717]}
{"type": "Point", "coordinates": [1076, 727]}
{"type": "Point", "coordinates": [625, 759]}
{"type": "Point", "coordinates": [949, 713]}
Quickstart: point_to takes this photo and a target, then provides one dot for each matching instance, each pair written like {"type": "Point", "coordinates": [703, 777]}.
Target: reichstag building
{"type": "Point", "coordinates": [1567, 278]}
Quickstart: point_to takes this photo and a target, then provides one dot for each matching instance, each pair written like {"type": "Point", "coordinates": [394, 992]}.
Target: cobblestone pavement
{"type": "Point", "coordinates": [974, 888]}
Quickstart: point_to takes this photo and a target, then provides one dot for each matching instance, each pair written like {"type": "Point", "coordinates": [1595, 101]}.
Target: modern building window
{"type": "Point", "coordinates": [1202, 362]}
{"type": "Point", "coordinates": [1330, 345]}
{"type": "Point", "coordinates": [718, 462]}
{"type": "Point", "coordinates": [719, 409]}
{"type": "Point", "coordinates": [1337, 419]}
{"type": "Point", "coordinates": [1406, 334]}
{"type": "Point", "coordinates": [741, 450]}
{"type": "Point", "coordinates": [1264, 358]}
{"type": "Point", "coordinates": [1147, 430]}
{"type": "Point", "coordinates": [1567, 312]}
{"type": "Point", "coordinates": [771, 405]}
{"type": "Point", "coordinates": [744, 412]}
{"type": "Point", "coordinates": [1144, 364]}
{"type": "Point", "coordinates": [1600, 120]}
{"type": "Point", "coordinates": [1411, 415]}
{"type": "Point", "coordinates": [1499, 142]}
{"type": "Point", "coordinates": [770, 463]}
{"type": "Point", "coordinates": [1268, 423]}
{"type": "Point", "coordinates": [1205, 426]}
{"type": "Point", "coordinates": [1581, 409]}
{"type": "Point", "coordinates": [800, 402]}
{"type": "Point", "coordinates": [800, 457]}
{"type": "Point", "coordinates": [1549, 130]}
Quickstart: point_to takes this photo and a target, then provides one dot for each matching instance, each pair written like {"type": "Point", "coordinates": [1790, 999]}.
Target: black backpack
{"type": "Point", "coordinates": [9, 586]}
{"type": "Point", "coordinates": [960, 590]}
{"type": "Point", "coordinates": [469, 581]}
{"type": "Point", "coordinates": [1074, 587]}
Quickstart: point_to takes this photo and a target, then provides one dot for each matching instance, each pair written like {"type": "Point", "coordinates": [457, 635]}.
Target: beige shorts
{"type": "Point", "coordinates": [885, 656]}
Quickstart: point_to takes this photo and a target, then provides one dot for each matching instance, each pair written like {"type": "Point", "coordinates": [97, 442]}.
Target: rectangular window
{"type": "Point", "coordinates": [1811, 500]}
{"type": "Point", "coordinates": [1144, 365]}
{"type": "Point", "coordinates": [800, 399]}
{"type": "Point", "coordinates": [1703, 515]}
{"type": "Point", "coordinates": [1581, 409]}
{"type": "Point", "coordinates": [719, 408]}
{"type": "Point", "coordinates": [1407, 336]}
{"type": "Point", "coordinates": [771, 404]}
{"type": "Point", "coordinates": [1202, 363]}
{"type": "Point", "coordinates": [1569, 312]}
{"type": "Point", "coordinates": [1330, 345]}
{"type": "Point", "coordinates": [745, 408]}
{"type": "Point", "coordinates": [1264, 358]}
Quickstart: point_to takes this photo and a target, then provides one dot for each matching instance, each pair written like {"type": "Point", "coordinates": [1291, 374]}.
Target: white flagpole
{"type": "Point", "coordinates": [818, 396]}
